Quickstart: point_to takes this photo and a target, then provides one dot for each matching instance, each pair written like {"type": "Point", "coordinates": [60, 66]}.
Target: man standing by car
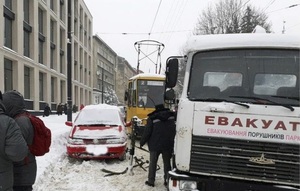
{"type": "Point", "coordinates": [13, 148]}
{"type": "Point", "coordinates": [24, 171]}
{"type": "Point", "coordinates": [159, 133]}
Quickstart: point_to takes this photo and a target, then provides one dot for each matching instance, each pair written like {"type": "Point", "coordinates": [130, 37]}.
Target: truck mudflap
{"type": "Point", "coordinates": [179, 181]}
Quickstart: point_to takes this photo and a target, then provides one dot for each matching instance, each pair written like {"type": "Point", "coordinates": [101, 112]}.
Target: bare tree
{"type": "Point", "coordinates": [227, 16]}
{"type": "Point", "coordinates": [253, 17]}
{"type": "Point", "coordinates": [110, 97]}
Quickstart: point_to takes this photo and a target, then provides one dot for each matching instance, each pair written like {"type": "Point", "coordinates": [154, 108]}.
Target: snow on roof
{"type": "Point", "coordinates": [206, 42]}
{"type": "Point", "coordinates": [100, 106]}
{"type": "Point", "coordinates": [99, 114]}
{"type": "Point", "coordinates": [147, 75]}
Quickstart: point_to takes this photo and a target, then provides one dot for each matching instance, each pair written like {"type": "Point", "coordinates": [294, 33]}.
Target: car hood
{"type": "Point", "coordinates": [98, 132]}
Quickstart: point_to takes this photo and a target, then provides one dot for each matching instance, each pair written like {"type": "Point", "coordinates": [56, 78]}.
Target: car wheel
{"type": "Point", "coordinates": [71, 159]}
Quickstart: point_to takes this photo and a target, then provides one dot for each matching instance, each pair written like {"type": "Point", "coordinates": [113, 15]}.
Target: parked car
{"type": "Point", "coordinates": [98, 132]}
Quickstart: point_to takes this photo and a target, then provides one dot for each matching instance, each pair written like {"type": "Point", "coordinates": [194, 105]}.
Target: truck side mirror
{"type": "Point", "coordinates": [171, 72]}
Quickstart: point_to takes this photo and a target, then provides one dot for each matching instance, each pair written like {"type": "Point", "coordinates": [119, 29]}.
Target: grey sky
{"type": "Point", "coordinates": [171, 25]}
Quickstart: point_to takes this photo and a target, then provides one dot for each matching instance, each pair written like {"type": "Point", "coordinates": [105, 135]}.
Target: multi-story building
{"type": "Point", "coordinates": [105, 60]}
{"type": "Point", "coordinates": [124, 72]}
{"type": "Point", "coordinates": [33, 51]}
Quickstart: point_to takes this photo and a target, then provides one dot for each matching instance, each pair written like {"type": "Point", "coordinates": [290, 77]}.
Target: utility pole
{"type": "Point", "coordinates": [69, 58]}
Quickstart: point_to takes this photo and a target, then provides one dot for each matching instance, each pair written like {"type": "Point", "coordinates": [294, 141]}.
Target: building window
{"type": "Point", "coordinates": [53, 86]}
{"type": "Point", "coordinates": [41, 21]}
{"type": "Point", "coordinates": [26, 28]}
{"type": "Point", "coordinates": [62, 63]}
{"type": "Point", "coordinates": [52, 52]}
{"type": "Point", "coordinates": [62, 39]}
{"type": "Point", "coordinates": [26, 11]}
{"type": "Point", "coordinates": [41, 86]}
{"type": "Point", "coordinates": [26, 43]}
{"type": "Point", "coordinates": [8, 74]}
{"type": "Point", "coordinates": [9, 17]}
{"type": "Point", "coordinates": [41, 36]}
{"type": "Point", "coordinates": [52, 30]}
{"type": "Point", "coordinates": [26, 82]}
{"type": "Point", "coordinates": [62, 10]}
{"type": "Point", "coordinates": [62, 91]}
{"type": "Point", "coordinates": [8, 4]}
{"type": "Point", "coordinates": [52, 44]}
{"type": "Point", "coordinates": [41, 51]}
{"type": "Point", "coordinates": [8, 33]}
{"type": "Point", "coordinates": [52, 5]}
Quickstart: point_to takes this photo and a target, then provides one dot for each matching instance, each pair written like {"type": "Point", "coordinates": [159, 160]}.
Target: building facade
{"type": "Point", "coordinates": [124, 72]}
{"type": "Point", "coordinates": [105, 62]}
{"type": "Point", "coordinates": [33, 51]}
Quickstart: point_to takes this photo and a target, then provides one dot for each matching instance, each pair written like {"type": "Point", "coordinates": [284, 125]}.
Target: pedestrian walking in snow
{"type": "Point", "coordinates": [13, 148]}
{"type": "Point", "coordinates": [59, 109]}
{"type": "Point", "coordinates": [66, 108]}
{"type": "Point", "coordinates": [24, 171]}
{"type": "Point", "coordinates": [159, 133]}
{"type": "Point", "coordinates": [47, 111]}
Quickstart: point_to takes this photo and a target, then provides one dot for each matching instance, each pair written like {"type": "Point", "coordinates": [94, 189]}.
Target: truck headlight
{"type": "Point", "coordinates": [187, 185]}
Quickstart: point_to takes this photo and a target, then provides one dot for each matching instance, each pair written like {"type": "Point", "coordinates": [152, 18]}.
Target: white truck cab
{"type": "Point", "coordinates": [238, 117]}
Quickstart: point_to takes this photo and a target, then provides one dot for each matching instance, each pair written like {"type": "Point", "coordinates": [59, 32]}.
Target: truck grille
{"type": "Point", "coordinates": [273, 162]}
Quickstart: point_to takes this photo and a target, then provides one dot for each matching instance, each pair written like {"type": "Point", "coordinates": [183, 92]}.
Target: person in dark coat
{"type": "Point", "coordinates": [66, 108]}
{"type": "Point", "coordinates": [159, 133]}
{"type": "Point", "coordinates": [24, 171]}
{"type": "Point", "coordinates": [13, 148]}
{"type": "Point", "coordinates": [74, 108]}
{"type": "Point", "coordinates": [47, 111]}
{"type": "Point", "coordinates": [59, 109]}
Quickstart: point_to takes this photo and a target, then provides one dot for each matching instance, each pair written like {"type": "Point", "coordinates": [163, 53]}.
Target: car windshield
{"type": "Point", "coordinates": [97, 116]}
{"type": "Point", "coordinates": [238, 75]}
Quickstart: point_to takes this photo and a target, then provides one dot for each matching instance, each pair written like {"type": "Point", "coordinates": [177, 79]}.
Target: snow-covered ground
{"type": "Point", "coordinates": [56, 171]}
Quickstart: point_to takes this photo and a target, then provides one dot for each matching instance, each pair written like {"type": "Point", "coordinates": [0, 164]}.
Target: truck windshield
{"type": "Point", "coordinates": [237, 74]}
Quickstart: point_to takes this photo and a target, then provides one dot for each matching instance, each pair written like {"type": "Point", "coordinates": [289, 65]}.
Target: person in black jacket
{"type": "Point", "coordinates": [13, 148]}
{"type": "Point", "coordinates": [59, 109]}
{"type": "Point", "coordinates": [47, 110]}
{"type": "Point", "coordinates": [159, 133]}
{"type": "Point", "coordinates": [24, 171]}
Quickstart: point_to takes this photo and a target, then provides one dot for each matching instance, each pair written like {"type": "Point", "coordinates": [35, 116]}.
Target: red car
{"type": "Point", "coordinates": [98, 132]}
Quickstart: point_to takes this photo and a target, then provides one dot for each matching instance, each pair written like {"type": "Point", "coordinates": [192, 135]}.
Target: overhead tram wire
{"type": "Point", "coordinates": [154, 18]}
{"type": "Point", "coordinates": [177, 19]}
{"type": "Point", "coordinates": [145, 33]}
{"type": "Point", "coordinates": [240, 7]}
{"type": "Point", "coordinates": [291, 6]}
{"type": "Point", "coordinates": [149, 34]}
{"type": "Point", "coordinates": [166, 20]}
{"type": "Point", "coordinates": [268, 5]}
{"type": "Point", "coordinates": [173, 16]}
